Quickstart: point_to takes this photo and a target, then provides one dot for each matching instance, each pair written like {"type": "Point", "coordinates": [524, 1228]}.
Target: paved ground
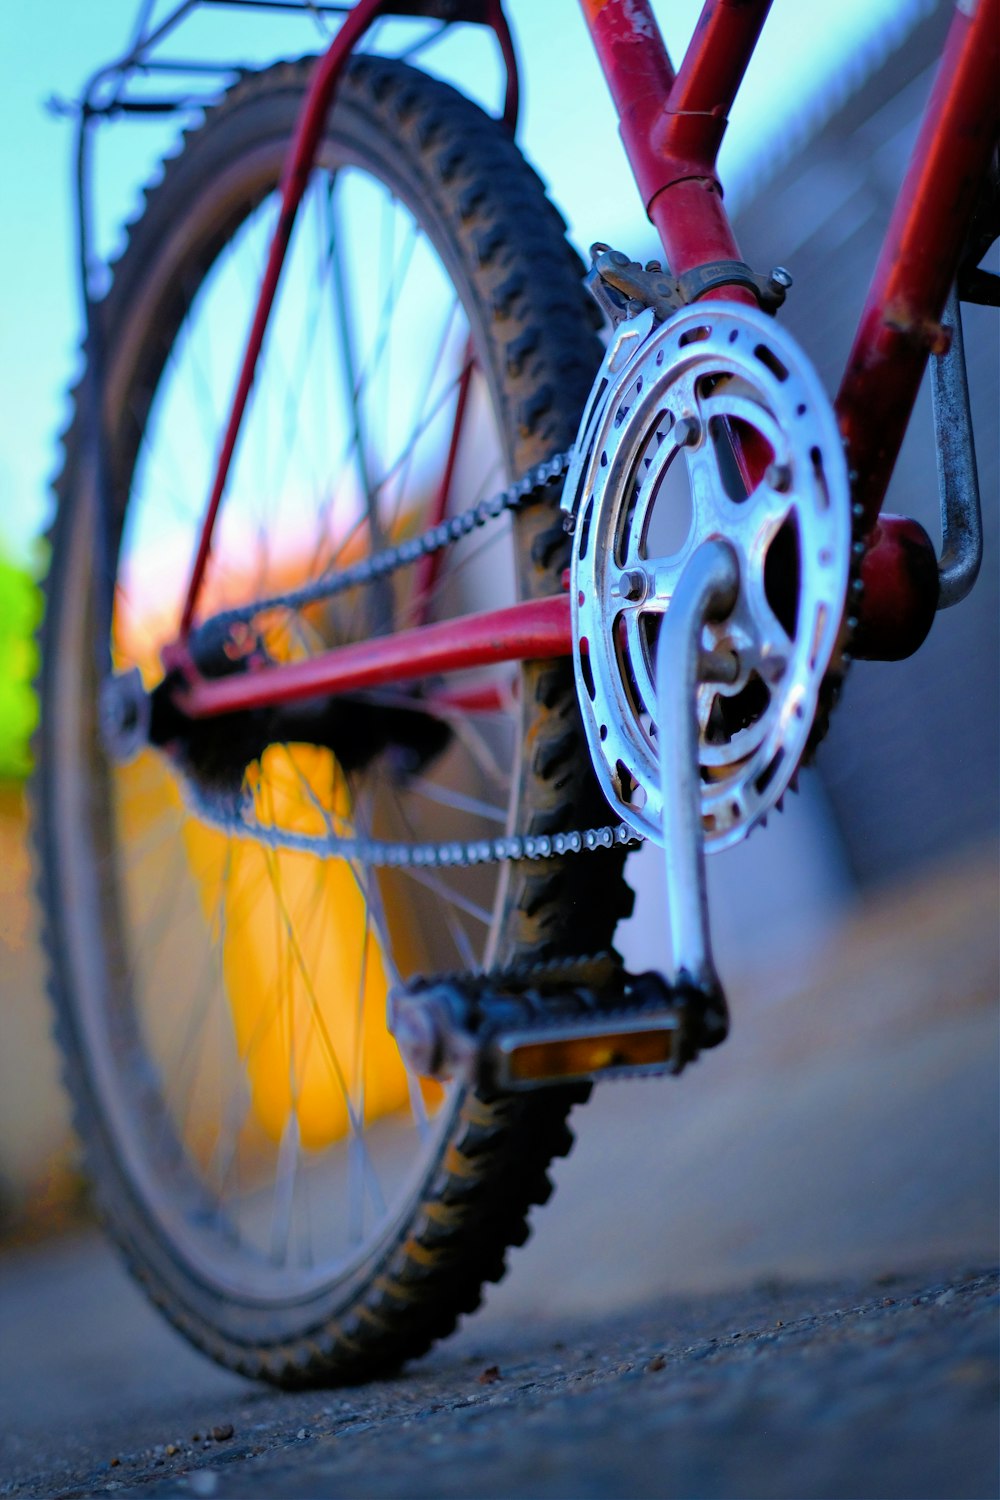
{"type": "Point", "coordinates": [879, 1389]}
{"type": "Point", "coordinates": [774, 1276]}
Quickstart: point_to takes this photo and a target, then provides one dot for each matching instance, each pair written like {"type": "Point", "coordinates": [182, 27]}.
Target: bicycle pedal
{"type": "Point", "coordinates": [582, 1020]}
{"type": "Point", "coordinates": [640, 1045]}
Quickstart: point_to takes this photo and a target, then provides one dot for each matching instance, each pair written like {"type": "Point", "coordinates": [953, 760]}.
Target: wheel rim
{"type": "Point", "coordinates": [217, 1104]}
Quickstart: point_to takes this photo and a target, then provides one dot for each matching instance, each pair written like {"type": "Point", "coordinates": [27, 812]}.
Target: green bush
{"type": "Point", "coordinates": [20, 609]}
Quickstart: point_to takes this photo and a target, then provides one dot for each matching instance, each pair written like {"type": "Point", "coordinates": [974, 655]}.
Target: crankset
{"type": "Point", "coordinates": [709, 504]}
{"type": "Point", "coordinates": [711, 426]}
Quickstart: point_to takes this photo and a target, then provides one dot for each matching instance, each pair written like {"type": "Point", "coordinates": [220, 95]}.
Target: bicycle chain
{"type": "Point", "coordinates": [525, 490]}
{"type": "Point", "coordinates": [397, 855]}
{"type": "Point", "coordinates": [233, 819]}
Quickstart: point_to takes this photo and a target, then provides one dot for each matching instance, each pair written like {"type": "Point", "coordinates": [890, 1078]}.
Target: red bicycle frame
{"type": "Point", "coordinates": [672, 124]}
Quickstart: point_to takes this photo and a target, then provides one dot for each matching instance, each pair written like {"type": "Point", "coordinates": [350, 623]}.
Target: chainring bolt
{"type": "Point", "coordinates": [773, 668]}
{"type": "Point", "coordinates": [719, 666]}
{"type": "Point", "coordinates": [687, 432]}
{"type": "Point", "coordinates": [418, 1037]}
{"type": "Point", "coordinates": [778, 477]}
{"type": "Point", "coordinates": [633, 585]}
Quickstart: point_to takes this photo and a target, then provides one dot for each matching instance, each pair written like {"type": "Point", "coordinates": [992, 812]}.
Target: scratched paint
{"type": "Point", "coordinates": [639, 18]}
{"type": "Point", "coordinates": [632, 23]}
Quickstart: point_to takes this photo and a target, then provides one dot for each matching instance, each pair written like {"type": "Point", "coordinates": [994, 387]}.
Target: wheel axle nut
{"type": "Point", "coordinates": [417, 1036]}
{"type": "Point", "coordinates": [124, 715]}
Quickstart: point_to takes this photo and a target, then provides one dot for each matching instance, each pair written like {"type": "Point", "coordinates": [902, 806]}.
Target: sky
{"type": "Point", "coordinates": [568, 130]}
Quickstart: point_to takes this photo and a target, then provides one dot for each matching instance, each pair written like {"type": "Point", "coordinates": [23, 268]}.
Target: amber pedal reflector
{"type": "Point", "coordinates": [532, 1062]}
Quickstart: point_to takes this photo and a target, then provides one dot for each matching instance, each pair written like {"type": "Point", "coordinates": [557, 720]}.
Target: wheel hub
{"type": "Point", "coordinates": [712, 424]}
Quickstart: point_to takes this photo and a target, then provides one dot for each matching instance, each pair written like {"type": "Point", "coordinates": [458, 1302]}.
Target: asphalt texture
{"type": "Point", "coordinates": [885, 1388]}
{"type": "Point", "coordinates": [775, 1276]}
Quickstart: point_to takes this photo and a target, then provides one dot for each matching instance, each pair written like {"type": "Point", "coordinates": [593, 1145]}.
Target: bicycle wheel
{"type": "Point", "coordinates": [298, 1205]}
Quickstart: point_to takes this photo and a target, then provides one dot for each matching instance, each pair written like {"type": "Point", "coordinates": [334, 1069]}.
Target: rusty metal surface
{"type": "Point", "coordinates": [958, 479]}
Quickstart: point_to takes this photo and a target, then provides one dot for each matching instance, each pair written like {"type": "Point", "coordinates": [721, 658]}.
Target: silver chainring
{"type": "Point", "coordinates": [656, 473]}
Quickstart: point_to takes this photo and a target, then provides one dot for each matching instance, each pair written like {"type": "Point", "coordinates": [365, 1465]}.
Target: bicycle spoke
{"type": "Point", "coordinates": [296, 957]}
{"type": "Point", "coordinates": [399, 468]}
{"type": "Point", "coordinates": [346, 344]}
{"type": "Point", "coordinates": [418, 1108]}
{"type": "Point", "coordinates": [451, 897]}
{"type": "Point", "coordinates": [319, 566]}
{"type": "Point", "coordinates": [283, 1196]}
{"type": "Point", "coordinates": [447, 797]}
{"type": "Point", "coordinates": [186, 1076]}
{"type": "Point", "coordinates": [470, 554]}
{"type": "Point", "coordinates": [473, 741]}
{"type": "Point", "coordinates": [224, 1158]}
{"type": "Point", "coordinates": [394, 283]}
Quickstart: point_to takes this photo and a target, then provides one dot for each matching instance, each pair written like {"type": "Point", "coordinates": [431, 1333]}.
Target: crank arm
{"type": "Point", "coordinates": [706, 590]}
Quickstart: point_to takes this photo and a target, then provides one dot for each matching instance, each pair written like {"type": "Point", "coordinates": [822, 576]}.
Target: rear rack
{"type": "Point", "coordinates": [150, 81]}
{"type": "Point", "coordinates": [122, 87]}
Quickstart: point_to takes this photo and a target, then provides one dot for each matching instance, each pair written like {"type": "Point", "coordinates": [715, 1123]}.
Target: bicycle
{"type": "Point", "coordinates": [322, 1059]}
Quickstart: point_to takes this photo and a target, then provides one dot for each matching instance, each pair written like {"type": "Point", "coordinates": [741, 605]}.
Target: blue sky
{"type": "Point", "coordinates": [568, 130]}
